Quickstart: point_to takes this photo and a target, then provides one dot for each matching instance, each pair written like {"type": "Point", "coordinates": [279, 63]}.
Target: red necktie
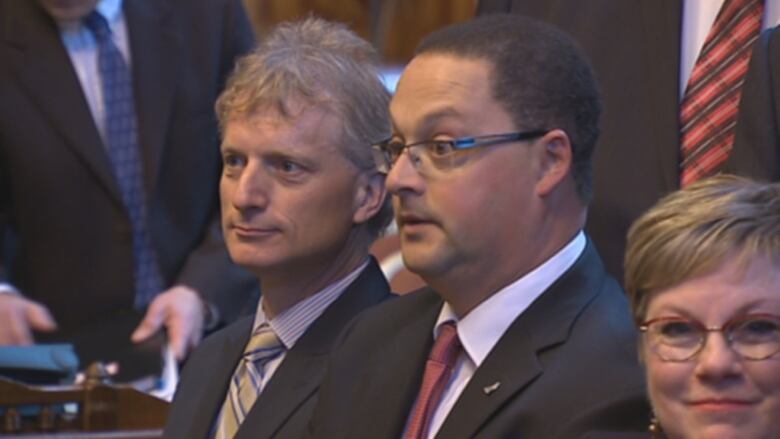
{"type": "Point", "coordinates": [438, 370]}
{"type": "Point", "coordinates": [708, 112]}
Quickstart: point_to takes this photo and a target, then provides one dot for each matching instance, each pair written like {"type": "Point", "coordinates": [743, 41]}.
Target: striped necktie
{"type": "Point", "coordinates": [438, 369]}
{"type": "Point", "coordinates": [124, 155]}
{"type": "Point", "coordinates": [248, 380]}
{"type": "Point", "coordinates": [708, 111]}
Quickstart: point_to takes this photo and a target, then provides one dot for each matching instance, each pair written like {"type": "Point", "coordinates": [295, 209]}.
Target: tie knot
{"type": "Point", "coordinates": [98, 25]}
{"type": "Point", "coordinates": [447, 345]}
{"type": "Point", "coordinates": [263, 344]}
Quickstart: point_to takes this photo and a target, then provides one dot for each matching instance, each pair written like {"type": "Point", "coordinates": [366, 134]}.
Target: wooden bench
{"type": "Point", "coordinates": [94, 409]}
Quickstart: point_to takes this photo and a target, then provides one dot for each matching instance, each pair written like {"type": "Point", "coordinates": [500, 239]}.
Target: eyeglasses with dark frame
{"type": "Point", "coordinates": [677, 339]}
{"type": "Point", "coordinates": [440, 153]}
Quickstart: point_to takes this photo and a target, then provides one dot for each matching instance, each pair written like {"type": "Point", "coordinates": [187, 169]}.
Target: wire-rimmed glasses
{"type": "Point", "coordinates": [752, 336]}
{"type": "Point", "coordinates": [440, 154]}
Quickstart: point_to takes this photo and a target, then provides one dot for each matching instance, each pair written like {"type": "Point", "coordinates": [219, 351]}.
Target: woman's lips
{"type": "Point", "coordinates": [721, 404]}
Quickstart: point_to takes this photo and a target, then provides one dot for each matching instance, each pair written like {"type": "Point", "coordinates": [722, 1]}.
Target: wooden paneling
{"type": "Point", "coordinates": [394, 26]}
{"type": "Point", "coordinates": [411, 20]}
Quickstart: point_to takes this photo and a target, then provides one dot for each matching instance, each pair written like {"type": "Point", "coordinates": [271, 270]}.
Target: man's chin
{"type": "Point", "coordinates": [254, 262]}
{"type": "Point", "coordinates": [422, 263]}
{"type": "Point", "coordinates": [65, 12]}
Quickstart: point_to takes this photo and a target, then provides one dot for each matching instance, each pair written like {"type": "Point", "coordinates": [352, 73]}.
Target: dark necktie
{"type": "Point", "coordinates": [708, 111]}
{"type": "Point", "coordinates": [124, 155]}
{"type": "Point", "coordinates": [438, 370]}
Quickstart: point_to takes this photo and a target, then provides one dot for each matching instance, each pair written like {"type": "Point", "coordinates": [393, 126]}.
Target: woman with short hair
{"type": "Point", "coordinates": [702, 271]}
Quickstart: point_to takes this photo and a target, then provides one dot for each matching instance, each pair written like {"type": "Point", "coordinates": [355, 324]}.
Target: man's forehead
{"type": "Point", "coordinates": [444, 70]}
{"type": "Point", "coordinates": [430, 118]}
{"type": "Point", "coordinates": [313, 125]}
{"type": "Point", "coordinates": [306, 116]}
{"type": "Point", "coordinates": [284, 108]}
{"type": "Point", "coordinates": [436, 87]}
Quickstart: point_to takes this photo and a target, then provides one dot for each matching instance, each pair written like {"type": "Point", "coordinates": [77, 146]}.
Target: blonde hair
{"type": "Point", "coordinates": [693, 231]}
{"type": "Point", "coordinates": [315, 62]}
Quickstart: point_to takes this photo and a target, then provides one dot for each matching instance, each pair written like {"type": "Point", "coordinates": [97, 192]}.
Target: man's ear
{"type": "Point", "coordinates": [369, 196]}
{"type": "Point", "coordinates": [556, 161]}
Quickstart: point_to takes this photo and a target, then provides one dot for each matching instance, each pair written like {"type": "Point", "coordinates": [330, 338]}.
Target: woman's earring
{"type": "Point", "coordinates": [654, 428]}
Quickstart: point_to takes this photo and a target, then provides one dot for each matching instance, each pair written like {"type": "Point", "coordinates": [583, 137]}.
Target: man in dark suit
{"type": "Point", "coordinates": [635, 48]}
{"type": "Point", "coordinates": [301, 203]}
{"type": "Point", "coordinates": [494, 124]}
{"type": "Point", "coordinates": [69, 257]}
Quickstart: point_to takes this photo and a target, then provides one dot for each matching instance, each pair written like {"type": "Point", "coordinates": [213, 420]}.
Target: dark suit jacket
{"type": "Point", "coordinates": [67, 234]}
{"type": "Point", "coordinates": [756, 150]}
{"type": "Point", "coordinates": [567, 365]}
{"type": "Point", "coordinates": [284, 408]}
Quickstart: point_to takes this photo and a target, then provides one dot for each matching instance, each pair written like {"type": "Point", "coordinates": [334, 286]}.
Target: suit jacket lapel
{"type": "Point", "coordinates": [300, 374]}
{"type": "Point", "coordinates": [297, 378]}
{"type": "Point", "coordinates": [216, 376]}
{"type": "Point", "coordinates": [154, 47]}
{"type": "Point", "coordinates": [513, 362]}
{"type": "Point", "coordinates": [661, 28]}
{"type": "Point", "coordinates": [397, 373]}
{"type": "Point", "coordinates": [44, 70]}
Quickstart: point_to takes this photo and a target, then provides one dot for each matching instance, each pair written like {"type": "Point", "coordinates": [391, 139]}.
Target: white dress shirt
{"type": "Point", "coordinates": [291, 324]}
{"type": "Point", "coordinates": [83, 51]}
{"type": "Point", "coordinates": [480, 329]}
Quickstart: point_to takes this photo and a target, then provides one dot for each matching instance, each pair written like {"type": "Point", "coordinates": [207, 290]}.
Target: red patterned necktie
{"type": "Point", "coordinates": [708, 112]}
{"type": "Point", "coordinates": [438, 370]}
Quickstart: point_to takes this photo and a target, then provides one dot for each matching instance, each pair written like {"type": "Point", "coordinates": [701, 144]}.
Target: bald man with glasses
{"type": "Point", "coordinates": [520, 332]}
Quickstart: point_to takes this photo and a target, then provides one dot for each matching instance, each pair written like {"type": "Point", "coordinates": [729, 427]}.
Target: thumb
{"type": "Point", "coordinates": [149, 325]}
{"type": "Point", "coordinates": [178, 341]}
{"type": "Point", "coordinates": [39, 318]}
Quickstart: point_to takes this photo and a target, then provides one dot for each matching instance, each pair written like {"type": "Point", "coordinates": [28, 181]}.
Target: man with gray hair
{"type": "Point", "coordinates": [302, 202]}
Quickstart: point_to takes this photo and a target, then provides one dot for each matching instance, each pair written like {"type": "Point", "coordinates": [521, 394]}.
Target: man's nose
{"type": "Point", "coordinates": [404, 175]}
{"type": "Point", "coordinates": [252, 189]}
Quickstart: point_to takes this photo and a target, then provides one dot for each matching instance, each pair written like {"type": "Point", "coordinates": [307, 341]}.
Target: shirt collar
{"type": "Point", "coordinates": [291, 324]}
{"type": "Point", "coordinates": [111, 10]}
{"type": "Point", "coordinates": [480, 329]}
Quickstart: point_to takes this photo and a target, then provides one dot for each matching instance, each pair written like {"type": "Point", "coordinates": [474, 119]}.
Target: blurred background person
{"type": "Point", "coordinates": [703, 273]}
{"type": "Point", "coordinates": [108, 172]}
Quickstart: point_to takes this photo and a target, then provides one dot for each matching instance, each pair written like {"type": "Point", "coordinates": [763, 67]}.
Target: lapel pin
{"type": "Point", "coordinates": [491, 388]}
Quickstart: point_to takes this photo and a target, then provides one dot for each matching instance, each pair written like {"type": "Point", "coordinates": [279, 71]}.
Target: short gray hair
{"type": "Point", "coordinates": [319, 63]}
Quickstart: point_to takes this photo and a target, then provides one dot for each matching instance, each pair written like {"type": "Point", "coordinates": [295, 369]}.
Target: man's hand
{"type": "Point", "coordinates": [18, 316]}
{"type": "Point", "coordinates": [182, 312]}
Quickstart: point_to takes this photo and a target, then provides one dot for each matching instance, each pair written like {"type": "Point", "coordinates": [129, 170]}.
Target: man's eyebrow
{"type": "Point", "coordinates": [226, 147]}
